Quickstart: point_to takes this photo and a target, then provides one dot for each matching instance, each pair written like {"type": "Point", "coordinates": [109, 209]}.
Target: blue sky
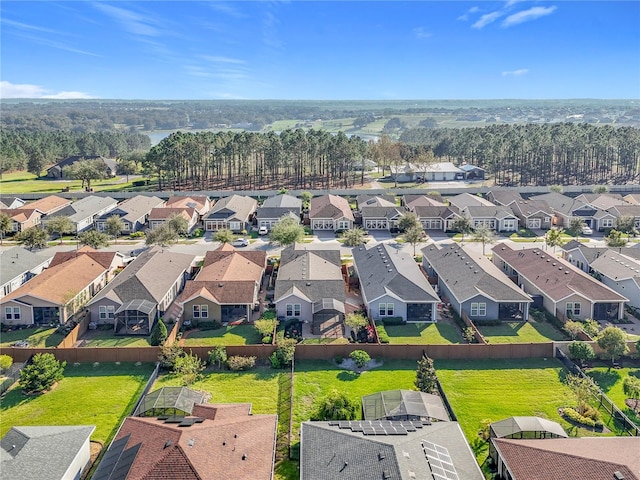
{"type": "Point", "coordinates": [320, 50]}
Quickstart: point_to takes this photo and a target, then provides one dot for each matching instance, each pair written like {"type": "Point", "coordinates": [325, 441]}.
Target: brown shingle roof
{"type": "Point", "coordinates": [198, 202]}
{"type": "Point", "coordinates": [165, 213]}
{"type": "Point", "coordinates": [228, 264]}
{"type": "Point", "coordinates": [103, 258]}
{"type": "Point", "coordinates": [594, 458]}
{"type": "Point", "coordinates": [227, 292]}
{"type": "Point", "coordinates": [554, 276]}
{"type": "Point", "coordinates": [21, 215]}
{"type": "Point", "coordinates": [50, 204]}
{"type": "Point", "coordinates": [234, 445]}
{"type": "Point", "coordinates": [330, 206]}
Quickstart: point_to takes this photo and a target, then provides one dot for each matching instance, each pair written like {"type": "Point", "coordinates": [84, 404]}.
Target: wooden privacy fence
{"type": "Point", "coordinates": [72, 337]}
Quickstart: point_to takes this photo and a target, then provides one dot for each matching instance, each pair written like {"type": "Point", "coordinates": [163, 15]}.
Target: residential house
{"type": "Point", "coordinates": [427, 200]}
{"type": "Point", "coordinates": [83, 212]}
{"type": "Point", "coordinates": [633, 198]}
{"type": "Point", "coordinates": [533, 214]}
{"type": "Point", "coordinates": [584, 458]}
{"type": "Point", "coordinates": [45, 452]}
{"type": "Point", "coordinates": [503, 196]}
{"type": "Point", "coordinates": [200, 203]}
{"type": "Point", "coordinates": [558, 286]}
{"type": "Point", "coordinates": [498, 218]}
{"type": "Point", "coordinates": [19, 265]}
{"type": "Point", "coordinates": [160, 215]}
{"type": "Point", "coordinates": [50, 204]}
{"type": "Point", "coordinates": [435, 218]}
{"type": "Point", "coordinates": [441, 171]}
{"type": "Point", "coordinates": [627, 210]}
{"type": "Point", "coordinates": [310, 287]}
{"type": "Point", "coordinates": [473, 285]}
{"type": "Point", "coordinates": [619, 272]}
{"type": "Point", "coordinates": [566, 209]}
{"type": "Point", "coordinates": [57, 171]}
{"type": "Point", "coordinates": [402, 450]}
{"type": "Point", "coordinates": [205, 442]}
{"type": "Point", "coordinates": [142, 292]}
{"type": "Point", "coordinates": [379, 212]}
{"type": "Point", "coordinates": [63, 289]}
{"type": "Point", "coordinates": [467, 200]}
{"type": "Point", "coordinates": [234, 212]}
{"type": "Point", "coordinates": [405, 173]}
{"type": "Point", "coordinates": [274, 208]}
{"type": "Point", "coordinates": [473, 172]}
{"type": "Point", "coordinates": [583, 256]}
{"type": "Point", "coordinates": [133, 212]}
{"type": "Point", "coordinates": [226, 288]}
{"type": "Point", "coordinates": [392, 285]}
{"type": "Point", "coordinates": [12, 202]}
{"type": "Point", "coordinates": [330, 212]}
{"type": "Point", "coordinates": [23, 218]}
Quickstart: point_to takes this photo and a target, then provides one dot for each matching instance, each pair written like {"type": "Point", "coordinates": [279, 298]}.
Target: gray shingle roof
{"type": "Point", "coordinates": [134, 208]}
{"type": "Point", "coordinates": [433, 212]}
{"type": "Point", "coordinates": [384, 270]}
{"type": "Point", "coordinates": [284, 201]}
{"type": "Point", "coordinates": [481, 211]}
{"type": "Point", "coordinates": [44, 453]}
{"type": "Point", "coordinates": [466, 200]}
{"type": "Point", "coordinates": [317, 274]}
{"type": "Point", "coordinates": [85, 207]}
{"type": "Point", "coordinates": [148, 277]}
{"type": "Point", "coordinates": [617, 266]}
{"type": "Point", "coordinates": [17, 260]}
{"type": "Point", "coordinates": [330, 453]}
{"type": "Point", "coordinates": [559, 202]}
{"type": "Point", "coordinates": [382, 212]}
{"type": "Point", "coordinates": [531, 207]}
{"type": "Point", "coordinates": [233, 206]}
{"type": "Point", "coordinates": [505, 196]}
{"type": "Point", "coordinates": [468, 274]}
{"type": "Point", "coordinates": [375, 201]}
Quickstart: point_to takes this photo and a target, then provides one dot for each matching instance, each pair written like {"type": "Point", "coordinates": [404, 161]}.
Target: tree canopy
{"type": "Point", "coordinates": [33, 237]}
{"type": "Point", "coordinates": [286, 231]}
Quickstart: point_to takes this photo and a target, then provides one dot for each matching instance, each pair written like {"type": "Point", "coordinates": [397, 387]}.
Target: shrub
{"type": "Point", "coordinates": [43, 371]}
{"type": "Point", "coordinates": [136, 235]}
{"type": "Point", "coordinates": [338, 359]}
{"type": "Point", "coordinates": [426, 379]}
{"type": "Point", "coordinates": [574, 416]}
{"type": "Point", "coordinates": [393, 321]}
{"type": "Point", "coordinates": [283, 356]}
{"type": "Point", "coordinates": [267, 339]}
{"type": "Point", "coordinates": [356, 320]}
{"type": "Point", "coordinates": [139, 183]}
{"type": "Point", "coordinates": [238, 362]}
{"type": "Point", "coordinates": [265, 326]}
{"type": "Point", "coordinates": [168, 355]}
{"type": "Point", "coordinates": [208, 324]}
{"type": "Point", "coordinates": [382, 333]}
{"type": "Point", "coordinates": [159, 334]}
{"type": "Point", "coordinates": [360, 357]}
{"type": "Point", "coordinates": [268, 315]}
{"type": "Point", "coordinates": [469, 334]}
{"type": "Point", "coordinates": [189, 366]}
{"type": "Point", "coordinates": [218, 355]}
{"type": "Point", "coordinates": [335, 406]}
{"type": "Point", "coordinates": [5, 363]}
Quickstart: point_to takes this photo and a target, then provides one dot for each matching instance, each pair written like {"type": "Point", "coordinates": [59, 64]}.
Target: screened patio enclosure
{"type": "Point", "coordinates": [527, 427]}
{"type": "Point", "coordinates": [135, 318]}
{"type": "Point", "coordinates": [169, 401]}
{"type": "Point", "coordinates": [403, 405]}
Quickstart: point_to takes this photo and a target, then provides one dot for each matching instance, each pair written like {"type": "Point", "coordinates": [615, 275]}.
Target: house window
{"type": "Point", "coordinates": [12, 313]}
{"type": "Point", "coordinates": [293, 309]}
{"type": "Point", "coordinates": [234, 226]}
{"type": "Point", "coordinates": [607, 222]}
{"type": "Point", "coordinates": [573, 309]}
{"type": "Point", "coordinates": [196, 311]}
{"type": "Point", "coordinates": [106, 311]}
{"type": "Point", "coordinates": [386, 309]}
{"type": "Point", "coordinates": [479, 309]}
{"type": "Point", "coordinates": [204, 311]}
{"type": "Point", "coordinates": [343, 225]}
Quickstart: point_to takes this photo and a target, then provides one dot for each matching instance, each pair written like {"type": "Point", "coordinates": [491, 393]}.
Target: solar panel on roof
{"type": "Point", "coordinates": [344, 425]}
{"type": "Point", "coordinates": [368, 430]}
{"type": "Point", "coordinates": [187, 422]}
{"type": "Point", "coordinates": [117, 462]}
{"type": "Point", "coordinates": [439, 461]}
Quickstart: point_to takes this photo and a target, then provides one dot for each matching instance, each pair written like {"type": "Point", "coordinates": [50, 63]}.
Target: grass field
{"type": "Point", "coordinates": [258, 387]}
{"type": "Point", "coordinates": [610, 382]}
{"type": "Point", "coordinates": [25, 182]}
{"type": "Point", "coordinates": [423, 333]}
{"type": "Point", "coordinates": [230, 335]}
{"type": "Point", "coordinates": [106, 338]}
{"type": "Point", "coordinates": [37, 337]}
{"type": "Point", "coordinates": [520, 332]}
{"type": "Point", "coordinates": [315, 379]}
{"type": "Point", "coordinates": [87, 395]}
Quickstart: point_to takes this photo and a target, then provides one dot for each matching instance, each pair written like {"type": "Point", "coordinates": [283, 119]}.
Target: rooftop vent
{"type": "Point", "coordinates": [168, 444]}
{"type": "Point", "coordinates": [381, 455]}
{"type": "Point", "coordinates": [244, 456]}
{"type": "Point", "coordinates": [617, 475]}
{"type": "Point", "coordinates": [191, 442]}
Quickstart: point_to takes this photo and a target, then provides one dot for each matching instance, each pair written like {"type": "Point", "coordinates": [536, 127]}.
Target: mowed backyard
{"type": "Point", "coordinates": [89, 394]}
{"type": "Point", "coordinates": [35, 337]}
{"type": "Point", "coordinates": [440, 333]}
{"type": "Point", "coordinates": [610, 382]}
{"type": "Point", "coordinates": [229, 335]}
{"type": "Point", "coordinates": [521, 332]}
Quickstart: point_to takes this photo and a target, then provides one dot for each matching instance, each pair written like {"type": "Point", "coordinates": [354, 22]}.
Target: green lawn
{"type": "Point", "coordinates": [498, 389]}
{"type": "Point", "coordinates": [520, 332]}
{"type": "Point", "coordinates": [315, 379]}
{"type": "Point", "coordinates": [106, 338]}
{"type": "Point", "coordinates": [610, 382]}
{"type": "Point", "coordinates": [25, 182]}
{"type": "Point", "coordinates": [423, 333]}
{"type": "Point", "coordinates": [258, 387]}
{"type": "Point", "coordinates": [37, 337]}
{"type": "Point", "coordinates": [230, 335]}
{"type": "Point", "coordinates": [99, 395]}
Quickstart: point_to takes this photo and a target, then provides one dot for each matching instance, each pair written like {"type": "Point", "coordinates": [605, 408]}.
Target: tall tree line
{"type": "Point", "coordinates": [296, 159]}
{"type": "Point", "coordinates": [540, 154]}
{"type": "Point", "coordinates": [22, 150]}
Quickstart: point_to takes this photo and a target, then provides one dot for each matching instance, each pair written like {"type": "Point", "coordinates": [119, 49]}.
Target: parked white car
{"type": "Point", "coordinates": [587, 230]}
{"type": "Point", "coordinates": [263, 231]}
{"type": "Point", "coordinates": [240, 242]}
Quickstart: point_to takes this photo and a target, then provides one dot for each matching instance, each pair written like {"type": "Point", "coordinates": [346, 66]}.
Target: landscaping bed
{"type": "Point", "coordinates": [108, 393]}
{"type": "Point", "coordinates": [37, 337]}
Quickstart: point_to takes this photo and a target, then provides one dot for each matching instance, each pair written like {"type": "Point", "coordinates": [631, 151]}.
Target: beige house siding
{"type": "Point", "coordinates": [215, 310]}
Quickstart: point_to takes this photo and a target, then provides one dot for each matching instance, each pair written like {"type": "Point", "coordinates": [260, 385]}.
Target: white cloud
{"type": "Point", "coordinates": [526, 15]}
{"type": "Point", "coordinates": [465, 16]}
{"type": "Point", "coordinates": [486, 19]}
{"type": "Point", "coordinates": [26, 26]}
{"type": "Point", "coordinates": [515, 73]}
{"type": "Point", "coordinates": [131, 21]}
{"type": "Point", "coordinates": [25, 90]}
{"type": "Point", "coordinates": [218, 59]}
{"type": "Point", "coordinates": [421, 33]}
